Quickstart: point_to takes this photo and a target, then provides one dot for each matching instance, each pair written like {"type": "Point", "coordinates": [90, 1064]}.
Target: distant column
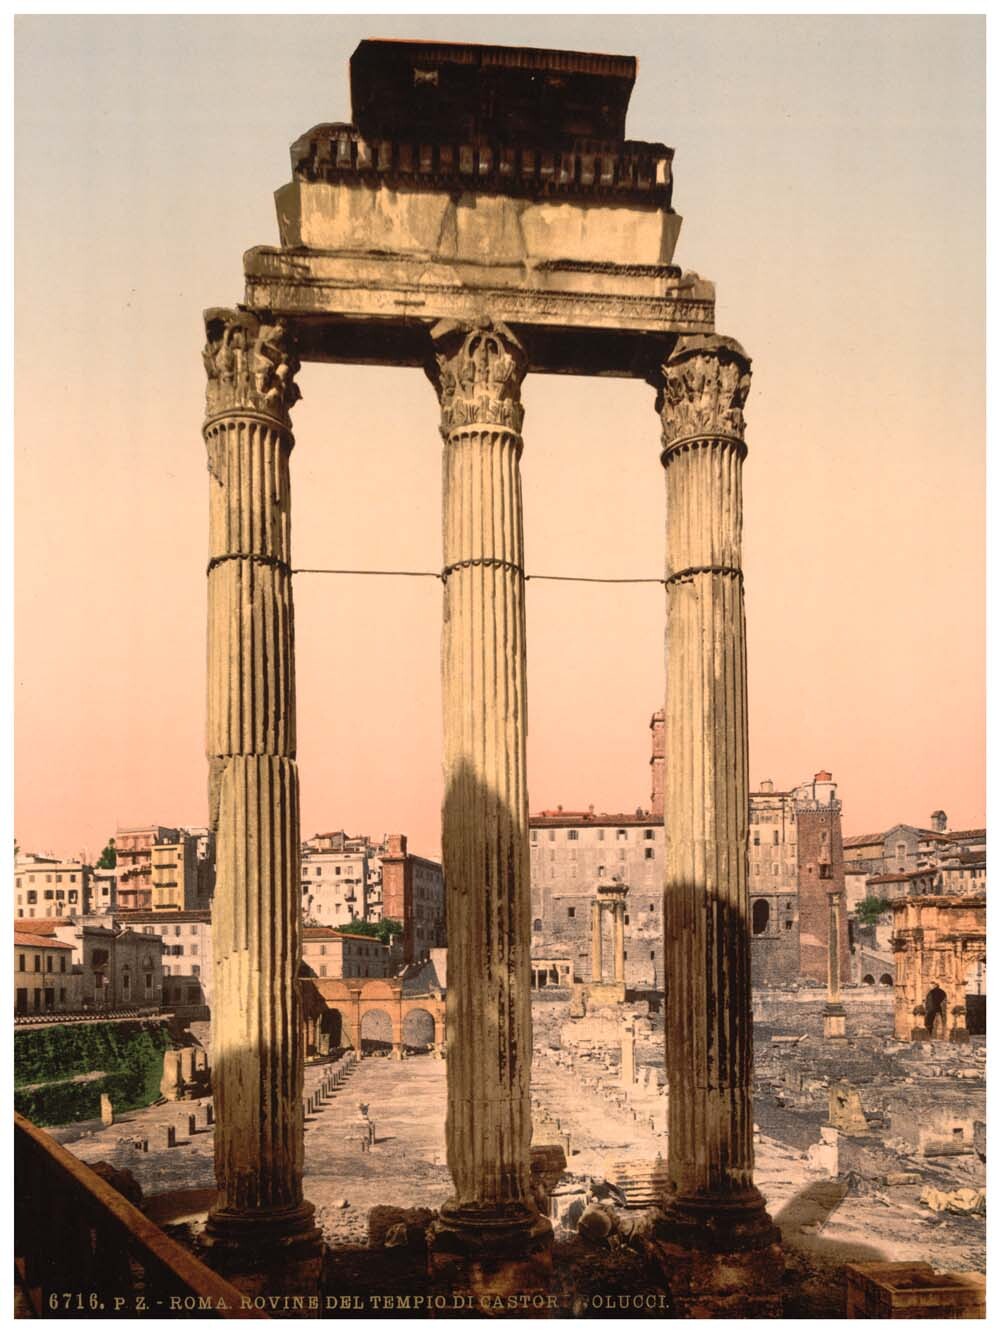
{"type": "Point", "coordinates": [834, 1014]}
{"type": "Point", "coordinates": [485, 850]}
{"type": "Point", "coordinates": [596, 950]}
{"type": "Point", "coordinates": [253, 790]}
{"type": "Point", "coordinates": [702, 388]}
{"type": "Point", "coordinates": [618, 917]}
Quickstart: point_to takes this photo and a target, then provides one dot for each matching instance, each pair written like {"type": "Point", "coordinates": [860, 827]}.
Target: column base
{"type": "Point", "coordinates": [491, 1254]}
{"type": "Point", "coordinates": [919, 1034]}
{"type": "Point", "coordinates": [255, 1234]}
{"type": "Point", "coordinates": [960, 1036]}
{"type": "Point", "coordinates": [721, 1258]}
{"type": "Point", "coordinates": [834, 1021]}
{"type": "Point", "coordinates": [606, 992]}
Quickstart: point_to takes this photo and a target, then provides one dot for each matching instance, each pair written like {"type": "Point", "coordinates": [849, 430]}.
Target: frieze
{"type": "Point", "coordinates": [702, 388]}
{"type": "Point", "coordinates": [477, 373]}
{"type": "Point", "coordinates": [310, 294]}
{"type": "Point", "coordinates": [250, 364]}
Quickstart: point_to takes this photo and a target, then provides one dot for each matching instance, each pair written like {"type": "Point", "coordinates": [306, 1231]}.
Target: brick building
{"type": "Point", "coordinates": [412, 889]}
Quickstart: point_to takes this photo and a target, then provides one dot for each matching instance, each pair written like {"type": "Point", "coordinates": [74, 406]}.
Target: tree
{"type": "Point", "coordinates": [378, 930]}
{"type": "Point", "coordinates": [109, 857]}
{"type": "Point", "coordinates": [869, 911]}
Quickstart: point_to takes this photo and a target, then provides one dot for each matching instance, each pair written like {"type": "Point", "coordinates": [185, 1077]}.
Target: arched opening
{"type": "Point", "coordinates": [376, 1033]}
{"type": "Point", "coordinates": [868, 979]}
{"type": "Point", "coordinates": [934, 1015]}
{"type": "Point", "coordinates": [536, 925]}
{"type": "Point", "coordinates": [418, 1032]}
{"type": "Point", "coordinates": [885, 979]}
{"type": "Point", "coordinates": [761, 915]}
{"type": "Point", "coordinates": [331, 1032]}
{"type": "Point", "coordinates": [975, 998]}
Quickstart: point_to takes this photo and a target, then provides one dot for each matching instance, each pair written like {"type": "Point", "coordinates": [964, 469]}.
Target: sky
{"type": "Point", "coordinates": [830, 172]}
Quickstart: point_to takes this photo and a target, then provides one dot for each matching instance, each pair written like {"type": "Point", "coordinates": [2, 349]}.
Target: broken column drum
{"type": "Point", "coordinates": [485, 215]}
{"type": "Point", "coordinates": [703, 386]}
{"type": "Point", "coordinates": [253, 788]}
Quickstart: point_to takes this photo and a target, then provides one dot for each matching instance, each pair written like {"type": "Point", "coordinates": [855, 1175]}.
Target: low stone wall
{"type": "Point", "coordinates": [794, 1012]}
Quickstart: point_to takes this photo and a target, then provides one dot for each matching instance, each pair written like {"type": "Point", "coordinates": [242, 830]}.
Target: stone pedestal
{"type": "Point", "coordinates": [834, 1021]}
{"type": "Point", "coordinates": [720, 1247]}
{"type": "Point", "coordinates": [491, 1224]}
{"type": "Point", "coordinates": [260, 1214]}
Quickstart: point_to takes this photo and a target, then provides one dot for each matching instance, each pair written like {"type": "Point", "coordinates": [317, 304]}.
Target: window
{"type": "Point", "coordinates": [20, 963]}
{"type": "Point", "coordinates": [177, 930]}
{"type": "Point", "coordinates": [38, 962]}
{"type": "Point", "coordinates": [825, 871]}
{"type": "Point", "coordinates": [62, 994]}
{"type": "Point", "coordinates": [600, 872]}
{"type": "Point", "coordinates": [652, 955]}
{"type": "Point", "coordinates": [650, 854]}
{"type": "Point", "coordinates": [626, 918]}
{"type": "Point", "coordinates": [573, 835]}
{"type": "Point", "coordinates": [166, 970]}
{"type": "Point", "coordinates": [194, 949]}
{"type": "Point", "coordinates": [537, 923]}
{"type": "Point", "coordinates": [648, 834]}
{"type": "Point", "coordinates": [552, 835]}
{"type": "Point", "coordinates": [58, 879]}
{"type": "Point", "coordinates": [49, 963]}
{"type": "Point", "coordinates": [621, 834]}
{"type": "Point", "coordinates": [777, 837]}
{"type": "Point", "coordinates": [652, 907]}
{"type": "Point", "coordinates": [322, 970]}
{"type": "Point", "coordinates": [600, 835]}
{"type": "Point", "coordinates": [760, 916]}
{"type": "Point", "coordinates": [571, 911]}
{"type": "Point", "coordinates": [322, 949]}
{"type": "Point", "coordinates": [756, 839]}
{"type": "Point", "coordinates": [62, 963]}
{"type": "Point", "coordinates": [196, 971]}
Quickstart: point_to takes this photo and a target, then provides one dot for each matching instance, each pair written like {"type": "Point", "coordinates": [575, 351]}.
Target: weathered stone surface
{"type": "Point", "coordinates": [254, 807]}
{"type": "Point", "coordinates": [477, 373]}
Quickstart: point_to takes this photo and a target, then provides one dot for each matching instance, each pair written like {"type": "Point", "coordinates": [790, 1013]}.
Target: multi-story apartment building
{"type": "Point", "coordinates": [174, 874]}
{"type": "Point", "coordinates": [906, 860]}
{"type": "Point", "coordinates": [47, 886]}
{"type": "Point", "coordinates": [186, 938]}
{"type": "Point", "coordinates": [170, 869]}
{"type": "Point", "coordinates": [134, 864]}
{"type": "Point", "coordinates": [334, 879]}
{"type": "Point", "coordinates": [335, 953]}
{"type": "Point", "coordinates": [44, 980]}
{"type": "Point", "coordinates": [413, 893]}
{"type": "Point", "coordinates": [103, 891]}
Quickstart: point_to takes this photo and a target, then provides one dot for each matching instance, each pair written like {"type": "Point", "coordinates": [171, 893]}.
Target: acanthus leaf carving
{"type": "Point", "coordinates": [702, 388]}
{"type": "Point", "coordinates": [478, 373]}
{"type": "Point", "coordinates": [250, 364]}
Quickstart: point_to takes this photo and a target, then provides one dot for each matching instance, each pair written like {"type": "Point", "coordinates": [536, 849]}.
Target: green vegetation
{"type": "Point", "coordinates": [130, 1054]}
{"type": "Point", "coordinates": [869, 911]}
{"type": "Point", "coordinates": [380, 930]}
{"type": "Point", "coordinates": [109, 857]}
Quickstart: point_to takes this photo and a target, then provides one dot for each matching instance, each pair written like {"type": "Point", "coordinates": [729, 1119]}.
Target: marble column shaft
{"type": "Point", "coordinates": [703, 387]}
{"type": "Point", "coordinates": [834, 949]}
{"type": "Point", "coordinates": [477, 373]}
{"type": "Point", "coordinates": [254, 796]}
{"type": "Point", "coordinates": [618, 918]}
{"type": "Point", "coordinates": [596, 943]}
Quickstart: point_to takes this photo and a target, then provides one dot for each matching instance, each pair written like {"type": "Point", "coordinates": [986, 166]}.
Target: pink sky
{"type": "Point", "coordinates": [830, 173]}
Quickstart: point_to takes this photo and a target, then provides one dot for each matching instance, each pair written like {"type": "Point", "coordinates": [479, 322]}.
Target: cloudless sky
{"type": "Point", "coordinates": [830, 174]}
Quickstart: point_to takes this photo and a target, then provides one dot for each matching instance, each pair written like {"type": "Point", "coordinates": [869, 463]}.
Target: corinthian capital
{"type": "Point", "coordinates": [477, 373]}
{"type": "Point", "coordinates": [250, 365]}
{"type": "Point", "coordinates": [702, 387]}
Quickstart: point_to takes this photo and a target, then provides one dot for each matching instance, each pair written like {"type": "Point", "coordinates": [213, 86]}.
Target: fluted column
{"type": "Point", "coordinates": [618, 918]}
{"type": "Point", "coordinates": [596, 944]}
{"type": "Point", "coordinates": [477, 373]}
{"type": "Point", "coordinates": [253, 789]}
{"type": "Point", "coordinates": [702, 389]}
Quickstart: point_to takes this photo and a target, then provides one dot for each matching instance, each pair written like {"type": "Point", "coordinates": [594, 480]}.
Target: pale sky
{"type": "Point", "coordinates": [830, 174]}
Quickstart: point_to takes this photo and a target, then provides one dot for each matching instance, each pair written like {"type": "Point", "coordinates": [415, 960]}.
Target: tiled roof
{"type": "Point", "coordinates": [863, 839]}
{"type": "Point", "coordinates": [39, 941]}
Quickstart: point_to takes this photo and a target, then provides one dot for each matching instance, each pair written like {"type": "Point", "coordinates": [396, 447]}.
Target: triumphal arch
{"type": "Point", "coordinates": [483, 217]}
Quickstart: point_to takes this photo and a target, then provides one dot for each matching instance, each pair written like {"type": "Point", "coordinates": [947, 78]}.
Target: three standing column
{"type": "Point", "coordinates": [253, 791]}
{"type": "Point", "coordinates": [477, 373]}
{"type": "Point", "coordinates": [714, 1204]}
